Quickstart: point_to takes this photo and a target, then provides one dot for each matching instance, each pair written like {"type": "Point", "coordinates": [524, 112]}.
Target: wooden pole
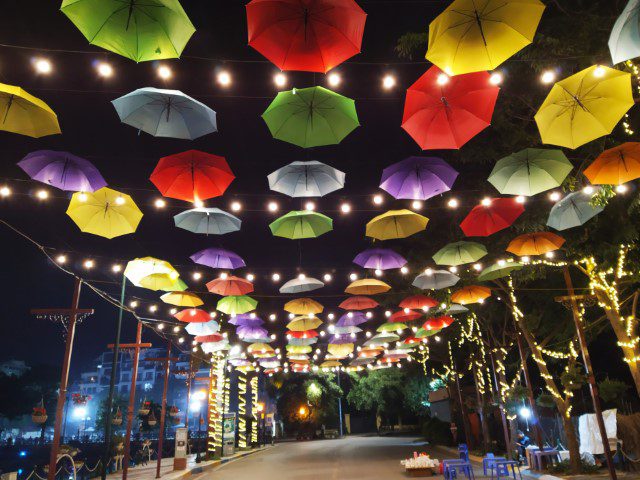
{"type": "Point", "coordinates": [532, 401]}
{"type": "Point", "coordinates": [463, 410]}
{"type": "Point", "coordinates": [505, 427]}
{"type": "Point", "coordinates": [164, 408]}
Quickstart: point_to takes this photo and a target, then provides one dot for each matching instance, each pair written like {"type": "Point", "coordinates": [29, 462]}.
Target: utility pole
{"type": "Point", "coordinates": [527, 381]}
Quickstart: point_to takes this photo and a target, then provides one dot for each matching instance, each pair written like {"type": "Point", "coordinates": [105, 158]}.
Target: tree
{"type": "Point", "coordinates": [380, 391]}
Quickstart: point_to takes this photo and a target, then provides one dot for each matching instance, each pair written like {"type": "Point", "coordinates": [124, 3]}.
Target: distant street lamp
{"type": "Point", "coordinates": [260, 407]}
{"type": "Point", "coordinates": [196, 405]}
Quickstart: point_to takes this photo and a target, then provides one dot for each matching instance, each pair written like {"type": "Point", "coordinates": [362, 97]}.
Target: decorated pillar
{"type": "Point", "coordinates": [216, 391]}
{"type": "Point", "coordinates": [242, 409]}
{"type": "Point", "coordinates": [254, 409]}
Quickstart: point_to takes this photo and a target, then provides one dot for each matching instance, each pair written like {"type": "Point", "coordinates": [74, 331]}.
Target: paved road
{"type": "Point", "coordinates": [345, 459]}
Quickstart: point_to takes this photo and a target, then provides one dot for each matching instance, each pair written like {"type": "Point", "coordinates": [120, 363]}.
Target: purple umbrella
{"type": "Point", "coordinates": [418, 178]}
{"type": "Point", "coordinates": [218, 258]}
{"type": "Point", "coordinates": [351, 319]}
{"type": "Point", "coordinates": [251, 331]}
{"type": "Point", "coordinates": [246, 320]}
{"type": "Point", "coordinates": [239, 362]}
{"type": "Point", "coordinates": [340, 339]}
{"type": "Point", "coordinates": [380, 259]}
{"type": "Point", "coordinates": [62, 170]}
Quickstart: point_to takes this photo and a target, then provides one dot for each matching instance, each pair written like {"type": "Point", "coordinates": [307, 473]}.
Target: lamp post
{"type": "Point", "coordinates": [261, 415]}
{"type": "Point", "coordinates": [196, 406]}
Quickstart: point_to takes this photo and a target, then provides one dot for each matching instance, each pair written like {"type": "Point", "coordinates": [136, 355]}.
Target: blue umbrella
{"type": "Point", "coordinates": [210, 221]}
{"type": "Point", "coordinates": [165, 113]}
{"type": "Point", "coordinates": [306, 179]}
{"type": "Point", "coordinates": [624, 41]}
{"type": "Point", "coordinates": [572, 211]}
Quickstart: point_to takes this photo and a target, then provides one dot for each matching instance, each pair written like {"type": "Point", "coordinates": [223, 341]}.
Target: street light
{"type": "Point", "coordinates": [198, 398]}
{"type": "Point", "coordinates": [260, 407]}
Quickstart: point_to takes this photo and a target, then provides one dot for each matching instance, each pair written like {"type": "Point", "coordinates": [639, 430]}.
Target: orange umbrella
{"type": "Point", "coordinates": [470, 294]}
{"type": "Point", "coordinates": [537, 243]}
{"type": "Point", "coordinates": [193, 315]}
{"type": "Point", "coordinates": [303, 306]}
{"type": "Point", "coordinates": [230, 286]}
{"type": "Point", "coordinates": [418, 302]}
{"type": "Point", "coordinates": [367, 286]}
{"type": "Point", "coordinates": [359, 302]}
{"type": "Point", "coordinates": [438, 323]}
{"type": "Point", "coordinates": [615, 166]}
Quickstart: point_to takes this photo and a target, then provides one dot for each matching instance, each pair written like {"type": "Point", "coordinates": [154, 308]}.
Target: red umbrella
{"type": "Point", "coordinates": [402, 316]}
{"type": "Point", "coordinates": [306, 35]}
{"type": "Point", "coordinates": [358, 302]}
{"type": "Point", "coordinates": [193, 315]}
{"type": "Point", "coordinates": [230, 286]}
{"type": "Point", "coordinates": [303, 334]}
{"type": "Point", "coordinates": [192, 175]}
{"type": "Point", "coordinates": [216, 337]}
{"type": "Point", "coordinates": [418, 302]}
{"type": "Point", "coordinates": [442, 112]}
{"type": "Point", "coordinates": [491, 216]}
{"type": "Point", "coordinates": [438, 323]}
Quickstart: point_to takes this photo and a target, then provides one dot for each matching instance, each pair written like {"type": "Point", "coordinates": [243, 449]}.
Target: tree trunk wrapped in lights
{"type": "Point", "coordinates": [242, 409]}
{"type": "Point", "coordinates": [216, 391]}
{"type": "Point", "coordinates": [254, 410]}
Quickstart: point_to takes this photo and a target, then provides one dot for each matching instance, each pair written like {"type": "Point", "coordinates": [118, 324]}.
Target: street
{"type": "Point", "coordinates": [344, 459]}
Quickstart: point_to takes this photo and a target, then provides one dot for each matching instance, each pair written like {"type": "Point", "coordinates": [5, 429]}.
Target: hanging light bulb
{"type": "Point", "coordinates": [388, 82]}
{"type": "Point", "coordinates": [273, 207]}
{"type": "Point", "coordinates": [43, 66]}
{"type": "Point", "coordinates": [280, 79]}
{"type": "Point", "coordinates": [378, 199]}
{"type": "Point", "coordinates": [327, 277]}
{"type": "Point", "coordinates": [236, 206]}
{"type": "Point", "coordinates": [334, 79]}
{"type": "Point", "coordinates": [160, 203]}
{"type": "Point", "coordinates": [310, 206]}
{"type": "Point", "coordinates": [224, 78]}
{"type": "Point", "coordinates": [164, 72]}
{"type": "Point", "coordinates": [275, 277]}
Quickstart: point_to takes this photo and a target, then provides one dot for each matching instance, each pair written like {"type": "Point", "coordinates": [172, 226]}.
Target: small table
{"type": "Point", "coordinates": [489, 463]}
{"type": "Point", "coordinates": [502, 469]}
{"type": "Point", "coordinates": [539, 456]}
{"type": "Point", "coordinates": [450, 469]}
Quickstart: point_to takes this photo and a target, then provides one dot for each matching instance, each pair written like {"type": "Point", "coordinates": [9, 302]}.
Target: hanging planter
{"type": "Point", "coordinates": [117, 418]}
{"type": "Point", "coordinates": [80, 399]}
{"type": "Point", "coordinates": [151, 420]}
{"type": "Point", "coordinates": [145, 408]}
{"type": "Point", "coordinates": [176, 420]}
{"type": "Point", "coordinates": [39, 415]}
{"type": "Point", "coordinates": [173, 411]}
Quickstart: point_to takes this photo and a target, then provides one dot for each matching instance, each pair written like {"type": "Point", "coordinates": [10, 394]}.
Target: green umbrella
{"type": "Point", "coordinates": [530, 171]}
{"type": "Point", "coordinates": [391, 327]}
{"type": "Point", "coordinates": [139, 30]}
{"type": "Point", "coordinates": [311, 117]}
{"type": "Point", "coordinates": [236, 304]}
{"type": "Point", "coordinates": [498, 270]}
{"type": "Point", "coordinates": [381, 339]}
{"type": "Point", "coordinates": [423, 333]}
{"type": "Point", "coordinates": [301, 224]}
{"type": "Point", "coordinates": [459, 253]}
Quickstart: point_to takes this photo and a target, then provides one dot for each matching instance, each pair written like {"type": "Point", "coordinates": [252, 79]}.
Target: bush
{"type": "Point", "coordinates": [564, 467]}
{"type": "Point", "coordinates": [436, 431]}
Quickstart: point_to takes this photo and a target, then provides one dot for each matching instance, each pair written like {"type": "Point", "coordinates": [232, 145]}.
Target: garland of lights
{"type": "Point", "coordinates": [254, 409]}
{"type": "Point", "coordinates": [242, 409]}
{"type": "Point", "coordinates": [214, 430]}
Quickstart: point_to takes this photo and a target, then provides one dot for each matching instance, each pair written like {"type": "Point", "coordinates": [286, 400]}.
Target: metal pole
{"type": "Point", "coordinates": [64, 378]}
{"type": "Point", "coordinates": [593, 387]}
{"type": "Point", "coordinates": [112, 385]}
{"type": "Point", "coordinates": [164, 408]}
{"type": "Point", "coordinates": [132, 399]}
{"type": "Point", "coordinates": [505, 427]}
{"type": "Point", "coordinates": [339, 405]}
{"type": "Point", "coordinates": [532, 402]}
{"type": "Point", "coordinates": [463, 410]}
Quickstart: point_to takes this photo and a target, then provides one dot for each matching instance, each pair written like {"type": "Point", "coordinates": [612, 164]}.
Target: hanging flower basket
{"type": "Point", "coordinates": [39, 415]}
{"type": "Point", "coordinates": [145, 409]}
{"type": "Point", "coordinates": [151, 420]}
{"type": "Point", "coordinates": [117, 418]}
{"type": "Point", "coordinates": [80, 399]}
{"type": "Point", "coordinates": [173, 411]}
{"type": "Point", "coordinates": [176, 420]}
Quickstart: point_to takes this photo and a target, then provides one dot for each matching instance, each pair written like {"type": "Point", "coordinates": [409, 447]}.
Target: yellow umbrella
{"type": "Point", "coordinates": [182, 299]}
{"type": "Point", "coordinates": [477, 35]}
{"type": "Point", "coordinates": [21, 112]}
{"type": "Point", "coordinates": [471, 294]}
{"type": "Point", "coordinates": [138, 268]}
{"type": "Point", "coordinates": [162, 281]}
{"type": "Point", "coordinates": [302, 324]}
{"type": "Point", "coordinates": [367, 286]}
{"type": "Point", "coordinates": [105, 212]}
{"type": "Point", "coordinates": [260, 348]}
{"type": "Point", "coordinates": [584, 106]}
{"type": "Point", "coordinates": [330, 364]}
{"type": "Point", "coordinates": [396, 224]}
{"type": "Point", "coordinates": [340, 350]}
{"type": "Point", "coordinates": [303, 306]}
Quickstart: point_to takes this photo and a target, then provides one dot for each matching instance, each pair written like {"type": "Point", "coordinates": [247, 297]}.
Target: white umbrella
{"type": "Point", "coordinates": [211, 221]}
{"type": "Point", "coordinates": [572, 211]}
{"type": "Point", "coordinates": [435, 280]}
{"type": "Point", "coordinates": [301, 285]}
{"type": "Point", "coordinates": [306, 179]}
{"type": "Point", "coordinates": [624, 41]}
{"type": "Point", "coordinates": [203, 328]}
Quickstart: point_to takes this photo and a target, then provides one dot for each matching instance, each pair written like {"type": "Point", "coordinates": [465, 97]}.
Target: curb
{"type": "Point", "coordinates": [216, 463]}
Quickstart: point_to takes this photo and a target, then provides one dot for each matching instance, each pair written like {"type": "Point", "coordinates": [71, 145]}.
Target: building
{"type": "Point", "coordinates": [15, 368]}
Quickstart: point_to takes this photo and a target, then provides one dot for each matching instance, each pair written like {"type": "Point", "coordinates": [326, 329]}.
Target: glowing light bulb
{"type": "Point", "coordinates": [161, 326]}
{"type": "Point", "coordinates": [224, 275]}
{"type": "Point", "coordinates": [378, 272]}
{"type": "Point", "coordinates": [42, 194]}
{"type": "Point", "coordinates": [236, 206]}
{"type": "Point", "coordinates": [599, 71]}
{"type": "Point", "coordinates": [153, 308]}
{"type": "Point", "coordinates": [378, 199]}
{"type": "Point", "coordinates": [5, 191]}
{"type": "Point", "coordinates": [88, 264]}
{"type": "Point", "coordinates": [198, 203]}
{"type": "Point", "coordinates": [310, 206]}
{"type": "Point", "coordinates": [353, 277]}
{"type": "Point", "coordinates": [520, 199]}
{"type": "Point", "coordinates": [477, 266]}
{"type": "Point", "coordinates": [549, 255]}
{"type": "Point", "coordinates": [486, 201]}
{"type": "Point", "coordinates": [387, 313]}
{"type": "Point", "coordinates": [331, 316]}
{"type": "Point", "coordinates": [404, 270]}
{"type": "Point", "coordinates": [61, 259]}
{"type": "Point", "coordinates": [133, 304]}
{"type": "Point", "coordinates": [554, 196]}
{"type": "Point", "coordinates": [224, 78]}
{"type": "Point", "coordinates": [104, 69]}
{"type": "Point", "coordinates": [272, 317]}
{"type": "Point", "coordinates": [452, 203]}
{"type": "Point", "coordinates": [82, 197]}
{"type": "Point", "coordinates": [388, 82]}
{"type": "Point", "coordinates": [120, 200]}
{"type": "Point", "coordinates": [197, 275]}
{"type": "Point", "coordinates": [160, 203]}
{"type": "Point", "coordinates": [525, 259]}
{"type": "Point", "coordinates": [453, 269]}
{"type": "Point", "coordinates": [43, 66]}
{"type": "Point", "coordinates": [416, 205]}
{"type": "Point", "coordinates": [173, 311]}
{"type": "Point", "coordinates": [496, 78]}
{"type": "Point", "coordinates": [588, 190]}
{"type": "Point", "coordinates": [443, 79]}
{"type": "Point", "coordinates": [251, 277]}
{"type": "Point", "coordinates": [547, 77]}
{"type": "Point", "coordinates": [275, 277]}
{"type": "Point", "coordinates": [164, 72]}
{"type": "Point", "coordinates": [428, 272]}
{"type": "Point", "coordinates": [273, 207]}
{"type": "Point", "coordinates": [622, 188]}
{"type": "Point", "coordinates": [327, 277]}
{"type": "Point", "coordinates": [334, 79]}
{"type": "Point", "coordinates": [345, 208]}
{"type": "Point", "coordinates": [116, 268]}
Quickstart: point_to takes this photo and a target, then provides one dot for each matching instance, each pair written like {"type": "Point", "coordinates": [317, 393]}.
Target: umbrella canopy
{"type": "Point", "coordinates": [530, 171]}
{"type": "Point", "coordinates": [435, 280]}
{"type": "Point", "coordinates": [491, 217]}
{"type": "Point", "coordinates": [311, 36]}
{"type": "Point", "coordinates": [584, 106]}
{"type": "Point", "coordinates": [210, 221]}
{"type": "Point", "coordinates": [455, 309]}
{"type": "Point", "coordinates": [300, 224]}
{"type": "Point", "coordinates": [477, 35]}
{"type": "Point", "coordinates": [423, 333]}
{"type": "Point", "coordinates": [381, 338]}
{"type": "Point", "coordinates": [193, 315]}
{"type": "Point", "coordinates": [302, 334]}
{"type": "Point", "coordinates": [25, 114]}
{"type": "Point", "coordinates": [615, 166]}
{"type": "Point", "coordinates": [162, 281]}
{"type": "Point", "coordinates": [236, 304]}
{"type": "Point", "coordinates": [624, 41]}
{"type": "Point", "coordinates": [139, 268]}
{"type": "Point", "coordinates": [165, 113]}
{"type": "Point", "coordinates": [346, 330]}
{"type": "Point", "coordinates": [438, 323]}
{"type": "Point", "coordinates": [218, 258]}
{"type": "Point", "coordinates": [260, 348]}
{"type": "Point", "coordinates": [572, 211]}
{"type": "Point", "coordinates": [210, 338]}
{"type": "Point", "coordinates": [303, 306]}
{"type": "Point", "coordinates": [303, 324]}
{"type": "Point", "coordinates": [230, 285]}
{"type": "Point", "coordinates": [251, 332]}
{"type": "Point", "coordinates": [445, 113]}
{"type": "Point", "coordinates": [367, 286]}
{"type": "Point", "coordinates": [245, 319]}
{"type": "Point", "coordinates": [460, 253]}
{"type": "Point", "coordinates": [403, 316]}
{"type": "Point", "coordinates": [358, 302]}
{"type": "Point", "coordinates": [396, 224]}
{"type": "Point", "coordinates": [306, 179]}
{"type": "Point", "coordinates": [351, 319]}
{"type": "Point", "coordinates": [301, 285]}
{"type": "Point", "coordinates": [341, 350]}
{"type": "Point", "coordinates": [537, 243]}
{"type": "Point", "coordinates": [418, 302]}
{"type": "Point", "coordinates": [303, 341]}
{"type": "Point", "coordinates": [205, 328]}
{"type": "Point", "coordinates": [192, 175]}
{"type": "Point", "coordinates": [380, 259]}
{"type": "Point", "coordinates": [141, 31]}
{"type": "Point", "coordinates": [311, 117]}
{"type": "Point", "coordinates": [418, 178]}
{"type": "Point", "coordinates": [105, 212]}
{"type": "Point", "coordinates": [182, 299]}
{"type": "Point", "coordinates": [470, 294]}
{"type": "Point", "coordinates": [62, 170]}
{"type": "Point", "coordinates": [500, 269]}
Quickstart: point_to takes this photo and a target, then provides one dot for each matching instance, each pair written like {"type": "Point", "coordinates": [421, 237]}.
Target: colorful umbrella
{"type": "Point", "coordinates": [435, 280]}
{"type": "Point", "coordinates": [303, 306]}
{"type": "Point", "coordinates": [192, 176]}
{"type": "Point", "coordinates": [341, 350]}
{"type": "Point", "coordinates": [445, 113]}
{"type": "Point", "coordinates": [230, 285]}
{"type": "Point", "coordinates": [615, 166]}
{"type": "Point", "coordinates": [346, 330]}
{"type": "Point", "coordinates": [537, 243]}
{"type": "Point", "coordinates": [585, 106]}
{"type": "Point", "coordinates": [25, 114]}
{"type": "Point", "coordinates": [351, 319]}
{"type": "Point", "coordinates": [302, 324]}
{"type": "Point", "coordinates": [218, 258]}
{"type": "Point", "coordinates": [438, 323]}
{"type": "Point", "coordinates": [455, 308]}
{"type": "Point", "coordinates": [423, 333]}
{"type": "Point", "coordinates": [105, 212]}
{"type": "Point", "coordinates": [306, 179]}
{"type": "Point", "coordinates": [251, 332]}
{"type": "Point", "coordinates": [193, 315]}
{"type": "Point", "coordinates": [182, 299]}
{"type": "Point", "coordinates": [624, 41]}
{"type": "Point", "coordinates": [302, 334]}
{"type": "Point", "coordinates": [210, 338]}
{"type": "Point", "coordinates": [530, 171]}
{"type": "Point", "coordinates": [381, 339]}
{"type": "Point", "coordinates": [217, 347]}
{"type": "Point", "coordinates": [165, 113]}
{"type": "Point", "coordinates": [418, 178]}
{"type": "Point", "coordinates": [141, 31]}
{"type": "Point", "coordinates": [260, 348]}
{"type": "Point", "coordinates": [418, 302]}
{"type": "Point", "coordinates": [367, 286]}
{"type": "Point", "coordinates": [476, 35]}
{"type": "Point", "coordinates": [301, 285]}
{"type": "Point", "coordinates": [470, 294]}
{"type": "Point", "coordinates": [358, 302]}
{"type": "Point", "coordinates": [303, 341]}
{"type": "Point", "coordinates": [210, 221]}
{"type": "Point", "coordinates": [380, 259]}
{"type": "Point", "coordinates": [246, 319]}
{"type": "Point", "coordinates": [205, 328]}
{"type": "Point", "coordinates": [403, 316]}
{"type": "Point", "coordinates": [460, 253]}
{"type": "Point", "coordinates": [500, 269]}
{"type": "Point", "coordinates": [330, 364]}
{"type": "Point", "coordinates": [301, 224]}
{"type": "Point", "coordinates": [311, 36]}
{"type": "Point", "coordinates": [491, 216]}
{"type": "Point", "coordinates": [572, 211]}
{"type": "Point", "coordinates": [162, 281]}
{"type": "Point", "coordinates": [396, 224]}
{"type": "Point", "coordinates": [139, 268]}
{"type": "Point", "coordinates": [62, 170]}
{"type": "Point", "coordinates": [311, 117]}
{"type": "Point", "coordinates": [236, 304]}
